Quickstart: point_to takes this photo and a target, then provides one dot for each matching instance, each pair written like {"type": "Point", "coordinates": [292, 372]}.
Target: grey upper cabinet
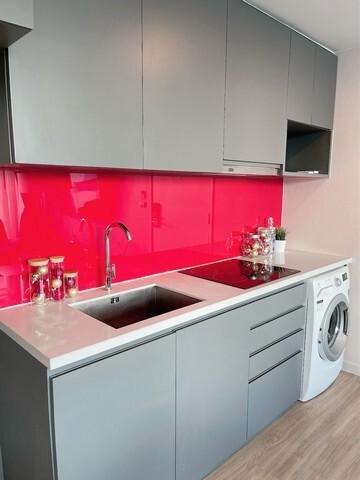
{"type": "Point", "coordinates": [184, 83]}
{"type": "Point", "coordinates": [312, 82]}
{"type": "Point", "coordinates": [17, 12]}
{"type": "Point", "coordinates": [6, 146]}
{"type": "Point", "coordinates": [301, 79]}
{"type": "Point", "coordinates": [211, 393]}
{"type": "Point", "coordinates": [16, 19]}
{"type": "Point", "coordinates": [324, 88]}
{"type": "Point", "coordinates": [256, 86]}
{"type": "Point", "coordinates": [115, 419]}
{"type": "Point", "coordinates": [76, 85]}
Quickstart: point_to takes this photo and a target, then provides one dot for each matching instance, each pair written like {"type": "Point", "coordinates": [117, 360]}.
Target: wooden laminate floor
{"type": "Point", "coordinates": [317, 440]}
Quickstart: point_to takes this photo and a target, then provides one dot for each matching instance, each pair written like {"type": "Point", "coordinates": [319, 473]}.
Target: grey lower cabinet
{"type": "Point", "coordinates": [115, 419]}
{"type": "Point", "coordinates": [76, 85]}
{"type": "Point", "coordinates": [275, 364]}
{"type": "Point", "coordinates": [211, 393]}
{"type": "Point", "coordinates": [312, 83]}
{"type": "Point", "coordinates": [256, 86]}
{"type": "Point", "coordinates": [184, 83]}
{"type": "Point", "coordinates": [173, 408]}
{"type": "Point", "coordinates": [273, 393]}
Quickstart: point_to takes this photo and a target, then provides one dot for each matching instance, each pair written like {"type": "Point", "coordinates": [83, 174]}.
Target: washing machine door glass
{"type": "Point", "coordinates": [334, 329]}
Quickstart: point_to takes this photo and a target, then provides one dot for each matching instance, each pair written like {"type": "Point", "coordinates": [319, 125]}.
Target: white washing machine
{"type": "Point", "coordinates": [327, 327]}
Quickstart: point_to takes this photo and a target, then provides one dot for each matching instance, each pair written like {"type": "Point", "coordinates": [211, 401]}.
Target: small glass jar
{"type": "Point", "coordinates": [251, 245]}
{"type": "Point", "coordinates": [57, 277]}
{"type": "Point", "coordinates": [71, 284]}
{"type": "Point", "coordinates": [39, 280]}
{"type": "Point", "coordinates": [266, 237]}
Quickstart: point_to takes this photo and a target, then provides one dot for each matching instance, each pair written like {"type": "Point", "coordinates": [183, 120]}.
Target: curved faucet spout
{"type": "Point", "coordinates": [110, 268]}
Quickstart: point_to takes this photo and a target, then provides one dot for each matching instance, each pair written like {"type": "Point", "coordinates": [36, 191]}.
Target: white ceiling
{"type": "Point", "coordinates": [333, 23]}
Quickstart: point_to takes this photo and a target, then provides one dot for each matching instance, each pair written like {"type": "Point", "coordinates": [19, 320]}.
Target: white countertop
{"type": "Point", "coordinates": [58, 335]}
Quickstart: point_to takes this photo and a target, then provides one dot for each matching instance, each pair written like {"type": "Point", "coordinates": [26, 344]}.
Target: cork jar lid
{"type": "Point", "coordinates": [70, 274]}
{"type": "Point", "coordinates": [38, 262]}
{"type": "Point", "coordinates": [57, 259]}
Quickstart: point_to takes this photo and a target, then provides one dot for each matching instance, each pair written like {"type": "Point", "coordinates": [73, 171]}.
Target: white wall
{"type": "Point", "coordinates": [324, 215]}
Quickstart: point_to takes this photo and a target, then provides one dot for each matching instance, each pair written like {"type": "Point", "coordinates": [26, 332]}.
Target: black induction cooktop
{"type": "Point", "coordinates": [240, 273]}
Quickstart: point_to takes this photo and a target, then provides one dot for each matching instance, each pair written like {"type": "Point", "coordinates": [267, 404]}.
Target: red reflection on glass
{"type": "Point", "coordinates": [175, 221]}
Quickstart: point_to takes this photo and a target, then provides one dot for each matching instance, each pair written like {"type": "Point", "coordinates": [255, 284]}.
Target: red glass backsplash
{"type": "Point", "coordinates": [175, 221]}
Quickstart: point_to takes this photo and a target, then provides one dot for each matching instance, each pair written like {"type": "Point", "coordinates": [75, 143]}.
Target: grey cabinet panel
{"type": "Point", "coordinates": [324, 88]}
{"type": "Point", "coordinates": [275, 305]}
{"type": "Point", "coordinates": [274, 330]}
{"type": "Point", "coordinates": [184, 83]}
{"type": "Point", "coordinates": [16, 19]}
{"type": "Point", "coordinates": [6, 147]}
{"type": "Point", "coordinates": [301, 79]}
{"type": "Point", "coordinates": [256, 86]}
{"type": "Point", "coordinates": [115, 419]}
{"type": "Point", "coordinates": [273, 355]}
{"type": "Point", "coordinates": [76, 85]}
{"type": "Point", "coordinates": [273, 393]}
{"type": "Point", "coordinates": [212, 377]}
{"type": "Point", "coordinates": [25, 435]}
{"type": "Point", "coordinates": [18, 12]}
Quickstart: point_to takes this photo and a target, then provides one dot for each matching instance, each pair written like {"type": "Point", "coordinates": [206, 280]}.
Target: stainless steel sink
{"type": "Point", "coordinates": [135, 305]}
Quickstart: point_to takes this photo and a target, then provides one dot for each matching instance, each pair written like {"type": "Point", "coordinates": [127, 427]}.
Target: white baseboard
{"type": "Point", "coordinates": [352, 367]}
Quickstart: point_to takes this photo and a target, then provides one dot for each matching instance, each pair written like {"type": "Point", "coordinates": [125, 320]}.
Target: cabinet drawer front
{"type": "Point", "coordinates": [273, 393]}
{"type": "Point", "coordinates": [272, 331]}
{"type": "Point", "coordinates": [275, 305]}
{"type": "Point", "coordinates": [273, 355]}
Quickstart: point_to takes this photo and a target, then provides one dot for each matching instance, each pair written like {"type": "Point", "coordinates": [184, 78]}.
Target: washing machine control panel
{"type": "Point", "coordinates": [324, 286]}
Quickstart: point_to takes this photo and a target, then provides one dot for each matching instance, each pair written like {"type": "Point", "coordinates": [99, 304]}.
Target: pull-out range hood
{"type": "Point", "coordinates": [251, 168]}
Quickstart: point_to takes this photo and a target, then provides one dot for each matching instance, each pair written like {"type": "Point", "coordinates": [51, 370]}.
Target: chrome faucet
{"type": "Point", "coordinates": [110, 268]}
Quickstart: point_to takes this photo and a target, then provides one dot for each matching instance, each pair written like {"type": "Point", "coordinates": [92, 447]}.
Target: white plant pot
{"type": "Point", "coordinates": [280, 246]}
{"type": "Point", "coordinates": [279, 259]}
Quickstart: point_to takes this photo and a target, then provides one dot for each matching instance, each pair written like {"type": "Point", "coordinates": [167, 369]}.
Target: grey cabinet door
{"type": "Point", "coordinates": [184, 84]}
{"type": "Point", "coordinates": [76, 85]}
{"type": "Point", "coordinates": [256, 86]}
{"type": "Point", "coordinates": [211, 393]}
{"type": "Point", "coordinates": [324, 88]}
{"type": "Point", "coordinates": [301, 79]}
{"type": "Point", "coordinates": [115, 419]}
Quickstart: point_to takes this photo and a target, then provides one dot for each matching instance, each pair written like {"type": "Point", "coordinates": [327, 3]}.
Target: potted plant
{"type": "Point", "coordinates": [280, 239]}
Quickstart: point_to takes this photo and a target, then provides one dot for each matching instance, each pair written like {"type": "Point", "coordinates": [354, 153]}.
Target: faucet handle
{"type": "Point", "coordinates": [113, 270]}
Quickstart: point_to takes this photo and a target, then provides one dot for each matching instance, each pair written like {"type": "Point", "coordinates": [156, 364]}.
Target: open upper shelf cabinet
{"type": "Point", "coordinates": [307, 150]}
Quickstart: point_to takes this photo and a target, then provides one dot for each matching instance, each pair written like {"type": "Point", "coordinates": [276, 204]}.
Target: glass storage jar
{"type": "Point", "coordinates": [251, 245]}
{"type": "Point", "coordinates": [267, 240]}
{"type": "Point", "coordinates": [57, 277]}
{"type": "Point", "coordinates": [71, 284]}
{"type": "Point", "coordinates": [39, 280]}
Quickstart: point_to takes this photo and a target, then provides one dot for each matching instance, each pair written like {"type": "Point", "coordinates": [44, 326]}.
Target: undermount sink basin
{"type": "Point", "coordinates": [134, 306]}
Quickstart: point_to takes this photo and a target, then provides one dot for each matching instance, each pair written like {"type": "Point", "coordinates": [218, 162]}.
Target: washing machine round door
{"type": "Point", "coordinates": [334, 329]}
